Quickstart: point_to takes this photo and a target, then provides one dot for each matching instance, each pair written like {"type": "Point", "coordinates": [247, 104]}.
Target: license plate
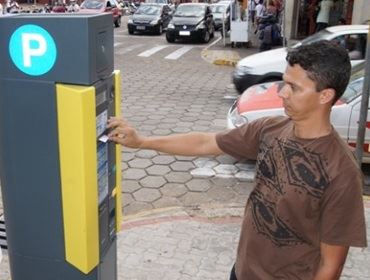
{"type": "Point", "coordinates": [140, 27]}
{"type": "Point", "coordinates": [184, 33]}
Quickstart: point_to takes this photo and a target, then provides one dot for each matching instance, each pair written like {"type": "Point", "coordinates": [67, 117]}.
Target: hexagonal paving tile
{"type": "Point", "coordinates": [154, 182]}
{"type": "Point", "coordinates": [226, 159]}
{"type": "Point", "coordinates": [147, 195]}
{"type": "Point", "coordinates": [163, 159]}
{"type": "Point", "coordinates": [127, 199]}
{"type": "Point", "coordinates": [133, 174]}
{"type": "Point", "coordinates": [182, 166]}
{"type": "Point", "coordinates": [198, 185]}
{"type": "Point", "coordinates": [166, 202]}
{"type": "Point", "coordinates": [203, 172]}
{"type": "Point", "coordinates": [194, 198]}
{"type": "Point", "coordinates": [205, 162]}
{"type": "Point", "coordinates": [140, 163]}
{"type": "Point", "coordinates": [226, 169]}
{"type": "Point", "coordinates": [173, 189]}
{"type": "Point", "coordinates": [245, 176]}
{"type": "Point", "coordinates": [158, 169]}
{"type": "Point", "coordinates": [178, 177]}
{"type": "Point", "coordinates": [129, 186]}
{"type": "Point", "coordinates": [137, 206]}
{"type": "Point", "coordinates": [146, 153]}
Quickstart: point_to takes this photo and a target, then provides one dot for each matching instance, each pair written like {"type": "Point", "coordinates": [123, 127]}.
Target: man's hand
{"type": "Point", "coordinates": [122, 133]}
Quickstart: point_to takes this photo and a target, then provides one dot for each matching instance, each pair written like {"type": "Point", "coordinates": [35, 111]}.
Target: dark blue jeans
{"type": "Point", "coordinates": [232, 274]}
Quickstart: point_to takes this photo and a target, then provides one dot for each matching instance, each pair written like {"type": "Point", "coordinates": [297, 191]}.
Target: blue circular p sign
{"type": "Point", "coordinates": [32, 50]}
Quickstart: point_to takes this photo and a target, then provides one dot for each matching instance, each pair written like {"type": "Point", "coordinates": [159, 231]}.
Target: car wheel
{"type": "Point", "coordinates": [206, 37]}
{"type": "Point", "coordinates": [117, 23]}
{"type": "Point", "coordinates": [169, 38]}
{"type": "Point", "coordinates": [130, 31]}
{"type": "Point", "coordinates": [160, 29]}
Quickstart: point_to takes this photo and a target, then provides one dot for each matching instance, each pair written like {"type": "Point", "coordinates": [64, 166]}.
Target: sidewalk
{"type": "Point", "coordinates": [193, 244]}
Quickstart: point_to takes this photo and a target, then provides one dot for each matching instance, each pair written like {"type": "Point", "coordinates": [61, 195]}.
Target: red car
{"type": "Point", "coordinates": [101, 6]}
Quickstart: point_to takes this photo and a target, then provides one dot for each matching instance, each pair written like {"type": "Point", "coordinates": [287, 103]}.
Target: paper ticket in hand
{"type": "Point", "coordinates": [103, 138]}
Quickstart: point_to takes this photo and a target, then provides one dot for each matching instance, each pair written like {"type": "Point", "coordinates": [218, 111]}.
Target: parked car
{"type": "Point", "coordinates": [269, 66]}
{"type": "Point", "coordinates": [221, 12]}
{"type": "Point", "coordinates": [262, 100]}
{"type": "Point", "coordinates": [101, 6]}
{"type": "Point", "coordinates": [150, 18]}
{"type": "Point", "coordinates": [193, 21]}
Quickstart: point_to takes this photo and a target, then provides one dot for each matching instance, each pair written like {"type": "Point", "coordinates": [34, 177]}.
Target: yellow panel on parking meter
{"type": "Point", "coordinates": [60, 178]}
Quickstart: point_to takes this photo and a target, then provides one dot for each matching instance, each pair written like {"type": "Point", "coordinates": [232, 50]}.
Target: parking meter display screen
{"type": "Point", "coordinates": [102, 171]}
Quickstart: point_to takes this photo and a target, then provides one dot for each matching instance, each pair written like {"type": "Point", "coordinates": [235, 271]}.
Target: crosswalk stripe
{"type": "Point", "coordinates": [117, 44]}
{"type": "Point", "coordinates": [3, 243]}
{"type": "Point", "coordinates": [129, 49]}
{"type": "Point", "coordinates": [152, 51]}
{"type": "Point", "coordinates": [178, 53]}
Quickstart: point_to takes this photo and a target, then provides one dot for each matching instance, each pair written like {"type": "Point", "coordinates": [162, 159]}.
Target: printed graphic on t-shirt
{"type": "Point", "coordinates": [269, 224]}
{"type": "Point", "coordinates": [301, 169]}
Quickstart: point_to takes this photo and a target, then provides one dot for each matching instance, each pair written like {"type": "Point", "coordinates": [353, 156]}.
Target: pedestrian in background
{"type": "Point", "coordinates": [323, 15]}
{"type": "Point", "coordinates": [306, 208]}
{"type": "Point", "coordinates": [260, 10]}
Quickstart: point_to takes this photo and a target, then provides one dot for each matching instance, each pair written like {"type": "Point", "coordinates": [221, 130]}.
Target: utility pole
{"type": "Point", "coordinates": [364, 105]}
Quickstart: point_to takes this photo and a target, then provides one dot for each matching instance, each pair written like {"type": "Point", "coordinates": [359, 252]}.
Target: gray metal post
{"type": "Point", "coordinates": [364, 106]}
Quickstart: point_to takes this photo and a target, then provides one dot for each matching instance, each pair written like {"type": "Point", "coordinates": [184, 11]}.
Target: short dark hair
{"type": "Point", "coordinates": [326, 63]}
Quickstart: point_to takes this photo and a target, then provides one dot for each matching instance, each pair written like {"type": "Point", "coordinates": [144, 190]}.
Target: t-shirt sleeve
{"type": "Point", "coordinates": [343, 217]}
{"type": "Point", "coordinates": [241, 142]}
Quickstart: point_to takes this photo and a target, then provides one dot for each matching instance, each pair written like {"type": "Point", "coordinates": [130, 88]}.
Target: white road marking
{"type": "Point", "coordinates": [129, 49]}
{"type": "Point", "coordinates": [152, 51]}
{"type": "Point", "coordinates": [213, 43]}
{"type": "Point", "coordinates": [117, 44]}
{"type": "Point", "coordinates": [178, 53]}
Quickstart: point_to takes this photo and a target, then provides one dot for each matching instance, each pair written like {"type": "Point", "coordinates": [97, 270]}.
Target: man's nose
{"type": "Point", "coordinates": [283, 93]}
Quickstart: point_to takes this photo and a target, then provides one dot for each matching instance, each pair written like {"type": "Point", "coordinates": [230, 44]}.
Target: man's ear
{"type": "Point", "coordinates": [327, 96]}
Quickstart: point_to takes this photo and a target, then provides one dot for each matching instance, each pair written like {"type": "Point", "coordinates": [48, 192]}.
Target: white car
{"type": "Point", "coordinates": [270, 65]}
{"type": "Point", "coordinates": [262, 100]}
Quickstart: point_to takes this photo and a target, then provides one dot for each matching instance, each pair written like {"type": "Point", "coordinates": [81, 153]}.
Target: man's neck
{"type": "Point", "coordinates": [310, 129]}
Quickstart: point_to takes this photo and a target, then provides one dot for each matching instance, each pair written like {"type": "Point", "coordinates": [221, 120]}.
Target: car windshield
{"type": "Point", "coordinates": [354, 87]}
{"type": "Point", "coordinates": [218, 9]}
{"type": "Point", "coordinates": [322, 35]}
{"type": "Point", "coordinates": [93, 4]}
{"type": "Point", "coordinates": [148, 10]}
{"type": "Point", "coordinates": [189, 11]}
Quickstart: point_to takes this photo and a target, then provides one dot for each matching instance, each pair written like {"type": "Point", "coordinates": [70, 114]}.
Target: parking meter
{"type": "Point", "coordinates": [60, 178]}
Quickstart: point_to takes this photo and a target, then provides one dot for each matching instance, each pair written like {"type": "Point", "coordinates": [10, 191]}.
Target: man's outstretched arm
{"type": "Point", "coordinates": [332, 262]}
{"type": "Point", "coordinates": [189, 144]}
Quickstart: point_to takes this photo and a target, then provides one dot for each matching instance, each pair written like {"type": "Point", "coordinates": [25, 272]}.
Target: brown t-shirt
{"type": "Point", "coordinates": [307, 191]}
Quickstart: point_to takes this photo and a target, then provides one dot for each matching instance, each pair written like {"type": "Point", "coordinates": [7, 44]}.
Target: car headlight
{"type": "Point", "coordinates": [154, 22]}
{"type": "Point", "coordinates": [237, 119]}
{"type": "Point", "coordinates": [130, 21]}
{"type": "Point", "coordinates": [170, 26]}
{"type": "Point", "coordinates": [200, 26]}
{"type": "Point", "coordinates": [241, 70]}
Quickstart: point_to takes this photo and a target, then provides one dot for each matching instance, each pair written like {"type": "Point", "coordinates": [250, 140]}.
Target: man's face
{"type": "Point", "coordinates": [300, 98]}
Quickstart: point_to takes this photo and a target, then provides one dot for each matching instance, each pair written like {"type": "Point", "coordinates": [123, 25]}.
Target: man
{"type": "Point", "coordinates": [306, 209]}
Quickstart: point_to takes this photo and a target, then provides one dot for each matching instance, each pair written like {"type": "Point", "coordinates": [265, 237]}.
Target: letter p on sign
{"type": "Point", "coordinates": [28, 51]}
{"type": "Point", "coordinates": [32, 50]}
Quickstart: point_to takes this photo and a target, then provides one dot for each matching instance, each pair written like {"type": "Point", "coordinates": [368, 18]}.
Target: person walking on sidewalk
{"type": "Point", "coordinates": [306, 209]}
{"type": "Point", "coordinates": [322, 20]}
